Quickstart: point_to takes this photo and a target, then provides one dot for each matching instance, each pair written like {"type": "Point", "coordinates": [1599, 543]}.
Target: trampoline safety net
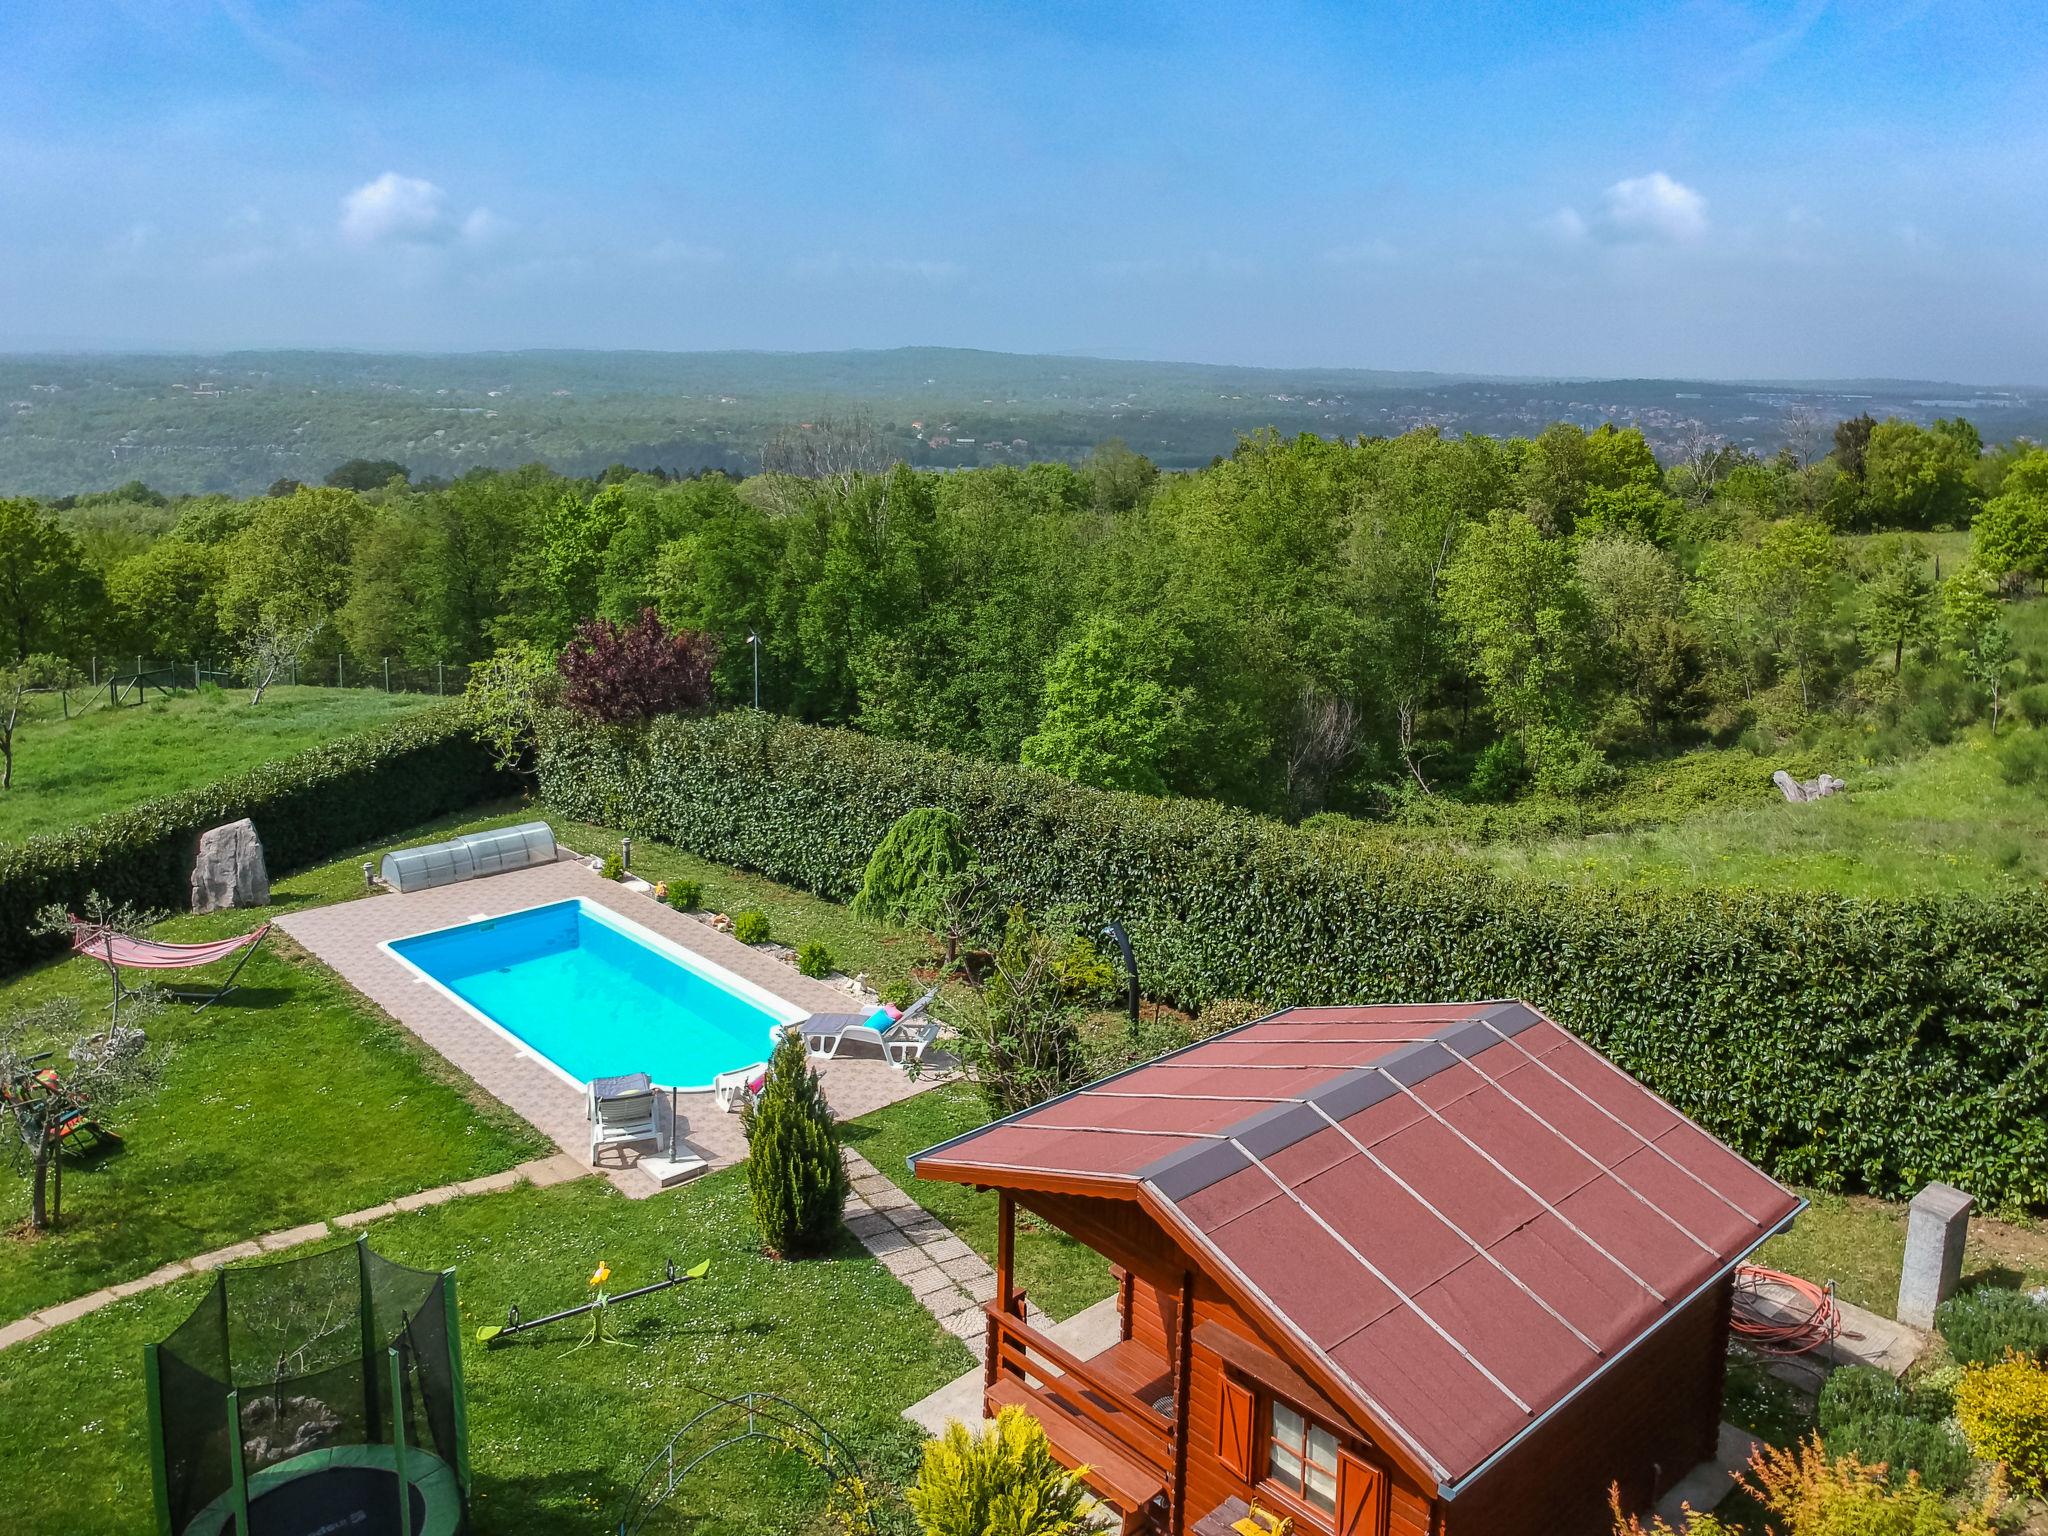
{"type": "Point", "coordinates": [326, 1374]}
{"type": "Point", "coordinates": [466, 857]}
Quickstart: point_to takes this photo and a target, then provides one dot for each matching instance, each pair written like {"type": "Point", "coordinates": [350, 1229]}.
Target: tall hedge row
{"type": "Point", "coordinates": [307, 807]}
{"type": "Point", "coordinates": [1842, 1042]}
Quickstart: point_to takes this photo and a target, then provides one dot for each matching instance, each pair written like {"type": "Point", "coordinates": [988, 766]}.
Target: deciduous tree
{"type": "Point", "coordinates": [617, 673]}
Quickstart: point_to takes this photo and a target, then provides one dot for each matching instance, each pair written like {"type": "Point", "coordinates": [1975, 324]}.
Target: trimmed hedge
{"type": "Point", "coordinates": [1842, 1042]}
{"type": "Point", "coordinates": [307, 807]}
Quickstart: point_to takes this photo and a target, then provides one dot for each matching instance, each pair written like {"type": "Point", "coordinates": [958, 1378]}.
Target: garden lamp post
{"type": "Point", "coordinates": [754, 639]}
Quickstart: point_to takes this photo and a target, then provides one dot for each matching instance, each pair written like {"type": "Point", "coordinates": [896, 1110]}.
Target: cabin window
{"type": "Point", "coordinates": [1301, 1456]}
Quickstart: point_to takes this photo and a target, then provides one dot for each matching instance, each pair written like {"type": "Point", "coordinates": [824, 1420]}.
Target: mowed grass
{"type": "Point", "coordinates": [69, 771]}
{"type": "Point", "coordinates": [1056, 1272]}
{"type": "Point", "coordinates": [291, 1100]}
{"type": "Point", "coordinates": [558, 1435]}
{"type": "Point", "coordinates": [1860, 1243]}
{"type": "Point", "coordinates": [1945, 822]}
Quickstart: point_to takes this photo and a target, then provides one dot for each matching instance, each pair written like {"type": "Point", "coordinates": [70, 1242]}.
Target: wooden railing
{"type": "Point", "coordinates": [1017, 1349]}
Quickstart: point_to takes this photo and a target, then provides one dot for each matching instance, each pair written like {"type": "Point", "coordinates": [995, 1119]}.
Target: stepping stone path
{"type": "Point", "coordinates": [950, 1278]}
{"type": "Point", "coordinates": [540, 1173]}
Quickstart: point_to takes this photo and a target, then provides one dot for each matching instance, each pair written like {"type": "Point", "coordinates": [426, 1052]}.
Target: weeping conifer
{"type": "Point", "coordinates": [794, 1168]}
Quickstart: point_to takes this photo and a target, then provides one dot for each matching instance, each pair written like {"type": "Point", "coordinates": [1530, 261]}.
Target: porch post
{"type": "Point", "coordinates": [1183, 1397]}
{"type": "Point", "coordinates": [1006, 1245]}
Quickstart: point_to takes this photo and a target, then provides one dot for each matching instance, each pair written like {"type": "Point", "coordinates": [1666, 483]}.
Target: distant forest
{"type": "Point", "coordinates": [236, 422]}
{"type": "Point", "coordinates": [1374, 625]}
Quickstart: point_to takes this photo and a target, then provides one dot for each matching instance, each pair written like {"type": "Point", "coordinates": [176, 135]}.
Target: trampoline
{"type": "Point", "coordinates": [312, 1397]}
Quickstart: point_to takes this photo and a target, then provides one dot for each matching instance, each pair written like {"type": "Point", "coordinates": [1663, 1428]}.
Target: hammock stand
{"type": "Point", "coordinates": [114, 950]}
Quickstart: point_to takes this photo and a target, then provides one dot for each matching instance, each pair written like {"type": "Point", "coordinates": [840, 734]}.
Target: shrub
{"type": "Point", "coordinates": [1845, 1042]}
{"type": "Point", "coordinates": [750, 927]}
{"type": "Point", "coordinates": [1499, 771]}
{"type": "Point", "coordinates": [794, 1168]}
{"type": "Point", "coordinates": [685, 895]}
{"type": "Point", "coordinates": [614, 867]}
{"type": "Point", "coordinates": [1903, 1444]}
{"type": "Point", "coordinates": [2032, 702]}
{"type": "Point", "coordinates": [1985, 1324]}
{"type": "Point", "coordinates": [1813, 1494]}
{"type": "Point", "coordinates": [1002, 1481]}
{"type": "Point", "coordinates": [908, 872]}
{"type": "Point", "coordinates": [814, 959]}
{"type": "Point", "coordinates": [2003, 1409]}
{"type": "Point", "coordinates": [2023, 759]}
{"type": "Point", "coordinates": [1857, 1392]}
{"type": "Point", "coordinates": [1021, 1041]}
{"type": "Point", "coordinates": [307, 807]}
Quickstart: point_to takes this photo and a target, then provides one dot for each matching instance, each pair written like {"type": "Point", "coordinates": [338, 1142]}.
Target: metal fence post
{"type": "Point", "coordinates": [387, 674]}
{"type": "Point", "coordinates": [337, 669]}
{"type": "Point", "coordinates": [440, 678]}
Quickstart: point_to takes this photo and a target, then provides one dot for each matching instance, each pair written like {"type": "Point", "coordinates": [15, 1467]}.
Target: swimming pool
{"type": "Point", "coordinates": [594, 994]}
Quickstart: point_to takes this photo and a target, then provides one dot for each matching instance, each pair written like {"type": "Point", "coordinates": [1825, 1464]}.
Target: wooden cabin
{"type": "Point", "coordinates": [1433, 1268]}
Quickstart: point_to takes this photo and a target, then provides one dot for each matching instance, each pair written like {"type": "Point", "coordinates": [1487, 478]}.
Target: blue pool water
{"type": "Point", "coordinates": [599, 996]}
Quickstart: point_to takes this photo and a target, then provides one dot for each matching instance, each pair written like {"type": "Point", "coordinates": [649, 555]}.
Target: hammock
{"type": "Point", "coordinates": [115, 950]}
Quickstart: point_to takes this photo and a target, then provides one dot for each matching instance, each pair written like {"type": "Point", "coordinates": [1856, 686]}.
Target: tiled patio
{"type": "Point", "coordinates": [345, 936]}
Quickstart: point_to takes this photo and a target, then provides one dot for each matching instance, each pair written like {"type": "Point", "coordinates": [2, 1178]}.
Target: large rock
{"type": "Point", "coordinates": [229, 871]}
{"type": "Point", "coordinates": [1799, 791]}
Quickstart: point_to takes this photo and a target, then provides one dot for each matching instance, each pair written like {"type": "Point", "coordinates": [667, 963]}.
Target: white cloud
{"type": "Point", "coordinates": [409, 210]}
{"type": "Point", "coordinates": [1641, 210]}
{"type": "Point", "coordinates": [1653, 208]}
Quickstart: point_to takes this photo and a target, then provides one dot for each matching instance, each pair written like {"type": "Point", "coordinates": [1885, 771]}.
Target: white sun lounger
{"type": "Point", "coordinates": [733, 1089]}
{"type": "Point", "coordinates": [621, 1110]}
{"type": "Point", "coordinates": [902, 1042]}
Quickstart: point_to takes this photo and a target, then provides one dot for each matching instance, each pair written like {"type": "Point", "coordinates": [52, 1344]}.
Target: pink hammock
{"type": "Point", "coordinates": [115, 950]}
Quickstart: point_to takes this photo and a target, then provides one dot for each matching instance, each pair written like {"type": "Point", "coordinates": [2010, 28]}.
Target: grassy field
{"type": "Point", "coordinates": [557, 1437]}
{"type": "Point", "coordinates": [1943, 822]}
{"type": "Point", "coordinates": [68, 771]}
{"type": "Point", "coordinates": [293, 1099]}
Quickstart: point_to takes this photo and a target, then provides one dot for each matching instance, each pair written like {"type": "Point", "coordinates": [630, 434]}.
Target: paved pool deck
{"type": "Point", "coordinates": [346, 936]}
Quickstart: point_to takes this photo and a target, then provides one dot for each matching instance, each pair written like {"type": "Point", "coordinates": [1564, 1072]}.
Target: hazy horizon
{"type": "Point", "coordinates": [1712, 190]}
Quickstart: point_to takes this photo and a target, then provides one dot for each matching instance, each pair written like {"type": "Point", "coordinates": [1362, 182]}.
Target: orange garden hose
{"type": "Point", "coordinates": [1780, 1314]}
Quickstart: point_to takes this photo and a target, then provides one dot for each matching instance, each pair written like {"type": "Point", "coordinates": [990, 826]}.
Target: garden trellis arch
{"type": "Point", "coordinates": [724, 1425]}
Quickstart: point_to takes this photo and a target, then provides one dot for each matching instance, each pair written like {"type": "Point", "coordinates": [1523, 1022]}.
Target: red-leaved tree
{"type": "Point", "coordinates": [636, 671]}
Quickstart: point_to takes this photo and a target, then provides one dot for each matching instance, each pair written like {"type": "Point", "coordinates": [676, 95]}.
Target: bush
{"type": "Point", "coordinates": [685, 895]}
{"type": "Point", "coordinates": [616, 673]}
{"type": "Point", "coordinates": [814, 959]}
{"type": "Point", "coordinates": [2003, 1409]}
{"type": "Point", "coordinates": [2023, 759]}
{"type": "Point", "coordinates": [1021, 1042]}
{"type": "Point", "coordinates": [750, 927]}
{"type": "Point", "coordinates": [1986, 1324]}
{"type": "Point", "coordinates": [1003, 1481]}
{"type": "Point", "coordinates": [1857, 1392]}
{"type": "Point", "coordinates": [794, 1168]}
{"type": "Point", "coordinates": [1810, 1493]}
{"type": "Point", "coordinates": [2032, 703]}
{"type": "Point", "coordinates": [1844, 1042]}
{"type": "Point", "coordinates": [307, 807]}
{"type": "Point", "coordinates": [908, 872]}
{"type": "Point", "coordinates": [614, 867]}
{"type": "Point", "coordinates": [1903, 1444]}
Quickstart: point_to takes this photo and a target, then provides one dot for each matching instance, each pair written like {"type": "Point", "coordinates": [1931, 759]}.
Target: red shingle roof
{"type": "Point", "coordinates": [1462, 1210]}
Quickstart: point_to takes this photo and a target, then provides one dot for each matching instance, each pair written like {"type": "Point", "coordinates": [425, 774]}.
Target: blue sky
{"type": "Point", "coordinates": [1708, 188]}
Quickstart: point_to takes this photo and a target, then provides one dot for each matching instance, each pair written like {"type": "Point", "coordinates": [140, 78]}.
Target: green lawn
{"type": "Point", "coordinates": [290, 1101]}
{"type": "Point", "coordinates": [1860, 1244]}
{"type": "Point", "coordinates": [1057, 1273]}
{"type": "Point", "coordinates": [68, 771]}
{"type": "Point", "coordinates": [556, 1437]}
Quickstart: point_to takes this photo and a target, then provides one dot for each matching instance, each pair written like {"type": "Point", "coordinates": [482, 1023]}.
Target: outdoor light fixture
{"type": "Point", "coordinates": [1114, 932]}
{"type": "Point", "coordinates": [625, 853]}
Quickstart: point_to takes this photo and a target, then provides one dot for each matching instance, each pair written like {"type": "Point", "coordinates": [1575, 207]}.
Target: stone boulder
{"type": "Point", "coordinates": [1799, 791]}
{"type": "Point", "coordinates": [229, 871]}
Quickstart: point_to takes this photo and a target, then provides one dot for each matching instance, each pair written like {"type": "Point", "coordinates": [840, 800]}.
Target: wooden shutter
{"type": "Point", "coordinates": [1235, 1436]}
{"type": "Point", "coordinates": [1361, 1497]}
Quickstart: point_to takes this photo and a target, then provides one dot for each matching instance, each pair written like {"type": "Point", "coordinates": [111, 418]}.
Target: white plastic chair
{"type": "Point", "coordinates": [621, 1110]}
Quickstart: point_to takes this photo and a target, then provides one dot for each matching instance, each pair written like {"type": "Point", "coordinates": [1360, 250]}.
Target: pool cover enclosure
{"type": "Point", "coordinates": [319, 1394]}
{"type": "Point", "coordinates": [466, 857]}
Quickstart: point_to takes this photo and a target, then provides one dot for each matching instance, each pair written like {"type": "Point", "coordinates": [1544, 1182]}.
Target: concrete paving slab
{"type": "Point", "coordinates": [363, 1218]}
{"type": "Point", "coordinates": [21, 1331]}
{"type": "Point", "coordinates": [1706, 1485]}
{"type": "Point", "coordinates": [71, 1311]}
{"type": "Point", "coordinates": [492, 1183]}
{"type": "Point", "coordinates": [227, 1255]}
{"type": "Point", "coordinates": [311, 1232]}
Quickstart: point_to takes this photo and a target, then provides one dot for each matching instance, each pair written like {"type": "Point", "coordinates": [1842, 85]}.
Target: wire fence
{"type": "Point", "coordinates": [125, 682]}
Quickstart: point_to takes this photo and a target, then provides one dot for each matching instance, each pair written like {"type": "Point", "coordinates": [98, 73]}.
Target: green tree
{"type": "Point", "coordinates": [1852, 441]}
{"type": "Point", "coordinates": [1771, 602]}
{"type": "Point", "coordinates": [288, 569]}
{"type": "Point", "coordinates": [366, 474]}
{"type": "Point", "coordinates": [1113, 715]}
{"type": "Point", "coordinates": [1637, 599]}
{"type": "Point", "coordinates": [1975, 636]}
{"type": "Point", "coordinates": [1118, 479]}
{"type": "Point", "coordinates": [1513, 597]}
{"type": "Point", "coordinates": [551, 585]}
{"type": "Point", "coordinates": [1914, 477]}
{"type": "Point", "coordinates": [795, 1169]}
{"type": "Point", "coordinates": [913, 866]}
{"type": "Point", "coordinates": [2010, 536]}
{"type": "Point", "coordinates": [49, 596]}
{"type": "Point", "coordinates": [1896, 593]}
{"type": "Point", "coordinates": [166, 600]}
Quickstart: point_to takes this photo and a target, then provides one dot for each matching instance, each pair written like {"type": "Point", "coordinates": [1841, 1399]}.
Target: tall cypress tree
{"type": "Point", "coordinates": [794, 1167]}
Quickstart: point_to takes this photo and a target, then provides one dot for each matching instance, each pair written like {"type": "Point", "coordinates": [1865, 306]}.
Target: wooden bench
{"type": "Point", "coordinates": [1110, 1469]}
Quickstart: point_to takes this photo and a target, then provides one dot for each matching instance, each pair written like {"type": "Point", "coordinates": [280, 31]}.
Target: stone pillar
{"type": "Point", "coordinates": [1937, 1223]}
